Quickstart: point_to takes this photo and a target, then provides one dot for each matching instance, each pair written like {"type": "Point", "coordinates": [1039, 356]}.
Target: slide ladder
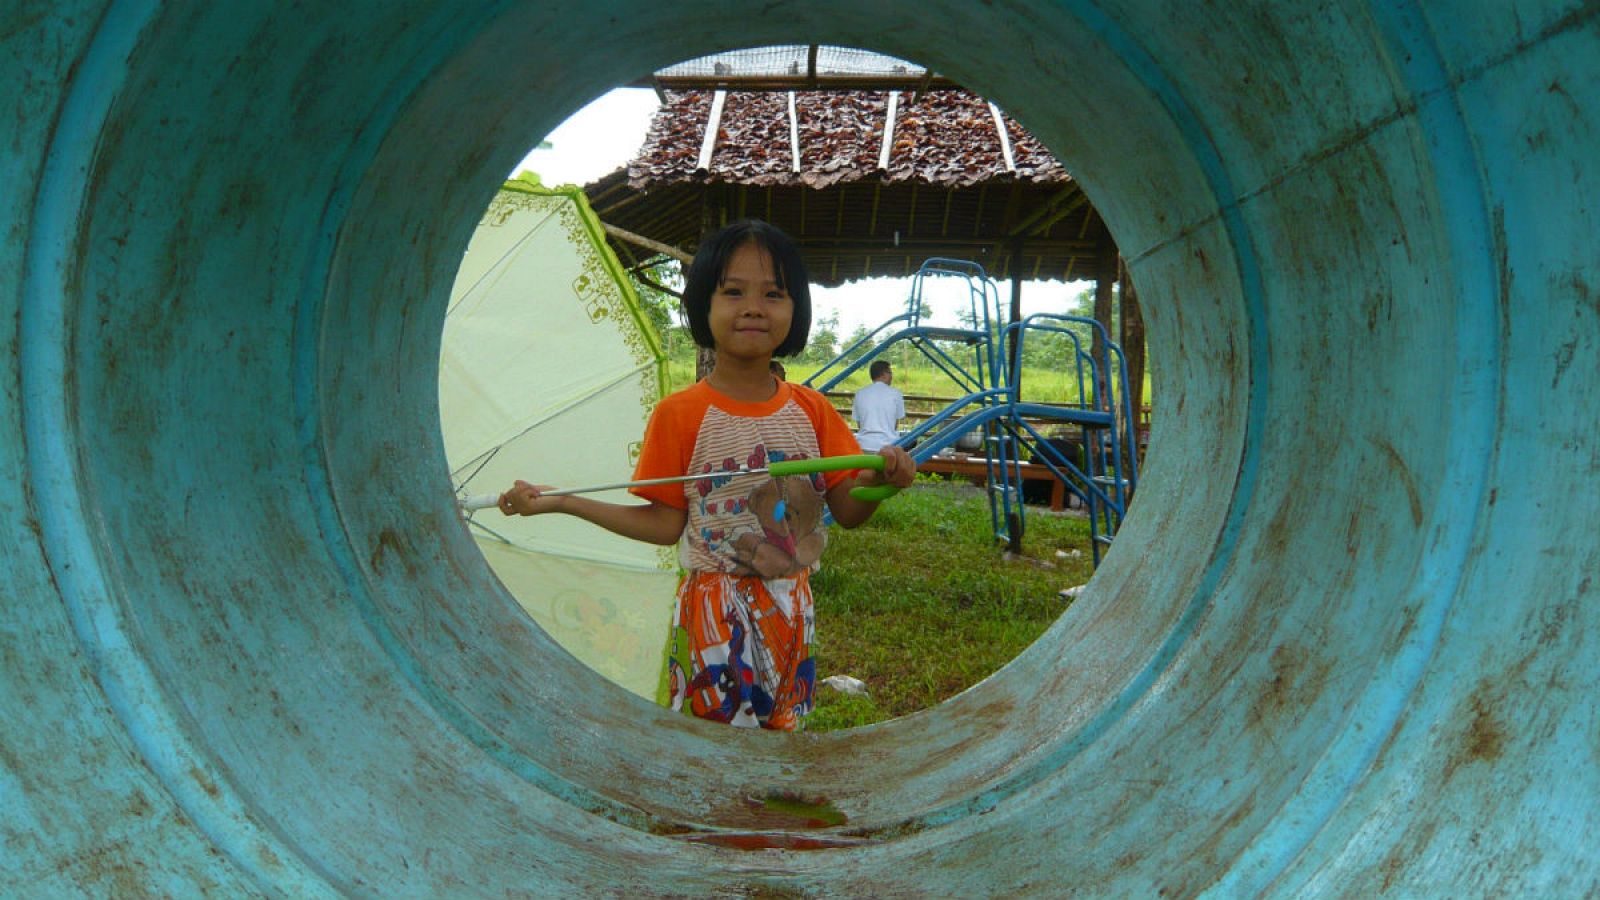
{"type": "Point", "coordinates": [1098, 459]}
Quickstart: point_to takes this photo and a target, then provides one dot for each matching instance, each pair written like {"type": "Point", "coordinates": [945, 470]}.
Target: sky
{"type": "Point", "coordinates": [601, 137]}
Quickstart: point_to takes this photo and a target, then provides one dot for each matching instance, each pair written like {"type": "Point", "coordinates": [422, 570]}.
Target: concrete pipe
{"type": "Point", "coordinates": [1346, 645]}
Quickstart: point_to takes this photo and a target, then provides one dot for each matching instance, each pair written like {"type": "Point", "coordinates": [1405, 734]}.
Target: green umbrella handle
{"type": "Point", "coordinates": [834, 464]}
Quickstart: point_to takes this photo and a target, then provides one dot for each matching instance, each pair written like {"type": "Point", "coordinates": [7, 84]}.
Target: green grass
{"type": "Point", "coordinates": [920, 605]}
{"type": "Point", "coordinates": [1039, 385]}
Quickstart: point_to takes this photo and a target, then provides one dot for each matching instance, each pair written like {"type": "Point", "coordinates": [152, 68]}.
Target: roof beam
{"type": "Point", "coordinates": [914, 82]}
{"type": "Point", "coordinates": [1083, 230]}
{"type": "Point", "coordinates": [708, 144]}
{"type": "Point", "coordinates": [639, 240]}
{"type": "Point", "coordinates": [1008, 219]}
{"type": "Point", "coordinates": [1049, 222]}
{"type": "Point", "coordinates": [1046, 208]}
{"type": "Point", "coordinates": [794, 135]}
{"type": "Point", "coordinates": [1005, 138]}
{"type": "Point", "coordinates": [925, 245]}
{"type": "Point", "coordinates": [888, 131]}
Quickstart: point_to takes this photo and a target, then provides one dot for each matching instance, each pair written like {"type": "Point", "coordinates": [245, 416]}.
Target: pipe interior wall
{"type": "Point", "coordinates": [1345, 645]}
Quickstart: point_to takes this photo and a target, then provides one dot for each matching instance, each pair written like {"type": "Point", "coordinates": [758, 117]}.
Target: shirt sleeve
{"type": "Point", "coordinates": [663, 454]}
{"type": "Point", "coordinates": [834, 437]}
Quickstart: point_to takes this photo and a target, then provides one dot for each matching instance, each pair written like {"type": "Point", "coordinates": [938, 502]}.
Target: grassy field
{"type": "Point", "coordinates": [1042, 385]}
{"type": "Point", "coordinates": [920, 604]}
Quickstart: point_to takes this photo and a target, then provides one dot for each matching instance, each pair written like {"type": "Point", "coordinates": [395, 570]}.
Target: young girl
{"type": "Point", "coordinates": [741, 649]}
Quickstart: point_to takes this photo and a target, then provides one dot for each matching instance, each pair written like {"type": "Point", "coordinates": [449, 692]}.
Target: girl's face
{"type": "Point", "coordinates": [750, 313]}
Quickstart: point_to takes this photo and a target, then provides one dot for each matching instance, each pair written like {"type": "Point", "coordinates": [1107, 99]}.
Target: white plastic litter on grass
{"type": "Point", "coordinates": [846, 684]}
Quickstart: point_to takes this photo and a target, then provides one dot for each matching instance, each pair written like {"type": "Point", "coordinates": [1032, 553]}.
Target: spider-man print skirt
{"type": "Point", "coordinates": [741, 649]}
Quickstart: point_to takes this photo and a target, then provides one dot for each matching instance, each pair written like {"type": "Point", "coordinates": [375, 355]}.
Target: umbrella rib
{"type": "Point", "coordinates": [632, 373]}
{"type": "Point", "coordinates": [534, 229]}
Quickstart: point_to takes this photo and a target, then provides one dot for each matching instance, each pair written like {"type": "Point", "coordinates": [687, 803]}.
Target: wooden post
{"type": "Point", "coordinates": [1015, 347]}
{"type": "Point", "coordinates": [1132, 340]}
{"type": "Point", "coordinates": [1105, 282]}
{"type": "Point", "coordinates": [710, 214]}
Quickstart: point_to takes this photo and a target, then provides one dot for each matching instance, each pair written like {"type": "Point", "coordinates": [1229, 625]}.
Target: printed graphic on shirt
{"type": "Point", "coordinates": [754, 524]}
{"type": "Point", "coordinates": [744, 524]}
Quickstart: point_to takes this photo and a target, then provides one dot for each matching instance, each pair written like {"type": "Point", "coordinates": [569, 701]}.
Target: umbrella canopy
{"type": "Point", "coordinates": [548, 372]}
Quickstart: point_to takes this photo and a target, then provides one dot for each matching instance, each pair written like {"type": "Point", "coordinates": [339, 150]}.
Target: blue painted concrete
{"type": "Point", "coordinates": [1344, 646]}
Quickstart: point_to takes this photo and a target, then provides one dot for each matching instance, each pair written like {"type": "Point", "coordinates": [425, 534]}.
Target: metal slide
{"type": "Point", "coordinates": [1102, 474]}
{"type": "Point", "coordinates": [941, 346]}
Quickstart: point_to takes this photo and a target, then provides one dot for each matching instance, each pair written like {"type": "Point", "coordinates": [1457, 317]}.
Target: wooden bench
{"type": "Point", "coordinates": [977, 469]}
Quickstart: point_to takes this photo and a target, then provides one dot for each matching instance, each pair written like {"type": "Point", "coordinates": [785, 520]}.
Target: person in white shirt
{"type": "Point", "coordinates": [878, 409]}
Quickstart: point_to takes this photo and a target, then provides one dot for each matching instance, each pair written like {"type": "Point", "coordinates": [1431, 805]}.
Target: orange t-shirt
{"type": "Point", "coordinates": [754, 524]}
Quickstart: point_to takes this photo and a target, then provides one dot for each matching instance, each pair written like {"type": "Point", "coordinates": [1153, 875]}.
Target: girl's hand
{"type": "Point", "coordinates": [524, 499]}
{"type": "Point", "coordinates": [899, 469]}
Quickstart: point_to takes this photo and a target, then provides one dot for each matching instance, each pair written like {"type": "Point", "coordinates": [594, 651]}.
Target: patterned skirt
{"type": "Point", "coordinates": [741, 649]}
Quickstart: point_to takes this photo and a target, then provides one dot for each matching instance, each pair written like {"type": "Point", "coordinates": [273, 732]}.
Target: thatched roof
{"type": "Point", "coordinates": [865, 192]}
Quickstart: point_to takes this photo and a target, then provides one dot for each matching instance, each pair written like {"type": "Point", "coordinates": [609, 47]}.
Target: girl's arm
{"type": "Point", "coordinates": [654, 523]}
{"type": "Point", "coordinates": [899, 469]}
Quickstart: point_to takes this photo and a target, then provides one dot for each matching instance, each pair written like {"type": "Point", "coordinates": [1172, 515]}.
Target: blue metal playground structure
{"type": "Point", "coordinates": [1093, 451]}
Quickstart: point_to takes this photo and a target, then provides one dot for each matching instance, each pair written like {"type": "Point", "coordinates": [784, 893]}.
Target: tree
{"type": "Point", "coordinates": [856, 336]}
{"type": "Point", "coordinates": [824, 343]}
{"type": "Point", "coordinates": [654, 282]}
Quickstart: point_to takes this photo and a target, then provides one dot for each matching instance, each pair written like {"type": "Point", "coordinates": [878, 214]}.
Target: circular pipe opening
{"type": "Point", "coordinates": [534, 296]}
{"type": "Point", "coordinates": [1101, 655]}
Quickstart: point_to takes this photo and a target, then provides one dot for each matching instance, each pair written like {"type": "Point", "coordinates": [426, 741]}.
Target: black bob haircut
{"type": "Point", "coordinates": [711, 260]}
